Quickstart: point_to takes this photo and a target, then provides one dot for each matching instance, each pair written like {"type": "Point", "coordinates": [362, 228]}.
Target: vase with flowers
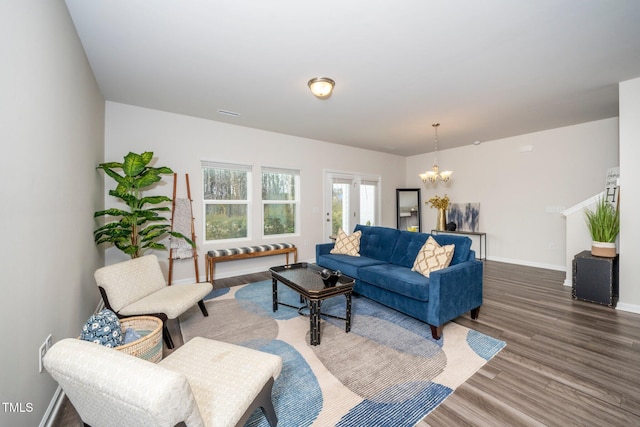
{"type": "Point", "coordinates": [440, 203]}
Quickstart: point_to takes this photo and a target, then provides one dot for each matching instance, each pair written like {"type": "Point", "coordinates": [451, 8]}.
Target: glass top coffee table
{"type": "Point", "coordinates": [306, 280]}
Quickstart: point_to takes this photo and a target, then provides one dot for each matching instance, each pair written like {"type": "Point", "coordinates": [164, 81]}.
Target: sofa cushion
{"type": "Point", "coordinates": [397, 279]}
{"type": "Point", "coordinates": [407, 247]}
{"type": "Point", "coordinates": [377, 242]}
{"type": "Point", "coordinates": [463, 246]}
{"type": "Point", "coordinates": [408, 244]}
{"type": "Point", "coordinates": [347, 245]}
{"type": "Point", "coordinates": [347, 265]}
{"type": "Point", "coordinates": [433, 257]}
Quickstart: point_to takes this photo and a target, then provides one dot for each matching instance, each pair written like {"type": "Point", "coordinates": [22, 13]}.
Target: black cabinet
{"type": "Point", "coordinates": [595, 279]}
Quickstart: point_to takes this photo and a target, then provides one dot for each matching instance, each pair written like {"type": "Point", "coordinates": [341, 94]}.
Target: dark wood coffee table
{"type": "Point", "coordinates": [305, 279]}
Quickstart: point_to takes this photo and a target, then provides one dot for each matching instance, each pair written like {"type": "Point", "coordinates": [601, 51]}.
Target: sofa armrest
{"type": "Point", "coordinates": [323, 249]}
{"type": "Point", "coordinates": [454, 291]}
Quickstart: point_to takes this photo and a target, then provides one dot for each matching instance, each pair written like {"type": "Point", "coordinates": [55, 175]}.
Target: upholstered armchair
{"type": "Point", "coordinates": [137, 288]}
{"type": "Point", "coordinates": [202, 383]}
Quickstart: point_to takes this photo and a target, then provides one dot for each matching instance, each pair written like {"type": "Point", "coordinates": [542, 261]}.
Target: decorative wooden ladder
{"type": "Point", "coordinates": [193, 233]}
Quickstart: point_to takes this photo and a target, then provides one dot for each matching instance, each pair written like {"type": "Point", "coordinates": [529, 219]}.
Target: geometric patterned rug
{"type": "Point", "coordinates": [387, 371]}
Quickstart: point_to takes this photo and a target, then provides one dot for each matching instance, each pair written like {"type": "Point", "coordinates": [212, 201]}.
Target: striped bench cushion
{"type": "Point", "coordinates": [249, 249]}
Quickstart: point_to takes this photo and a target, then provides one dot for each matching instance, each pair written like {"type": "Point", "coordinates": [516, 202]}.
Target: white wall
{"type": "Point", "coordinates": [566, 166]}
{"type": "Point", "coordinates": [181, 142]}
{"type": "Point", "coordinates": [51, 128]}
{"type": "Point", "coordinates": [629, 191]}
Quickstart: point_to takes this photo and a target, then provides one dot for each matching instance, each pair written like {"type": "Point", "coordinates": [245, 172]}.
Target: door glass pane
{"type": "Point", "coordinates": [340, 208]}
{"type": "Point", "coordinates": [367, 204]}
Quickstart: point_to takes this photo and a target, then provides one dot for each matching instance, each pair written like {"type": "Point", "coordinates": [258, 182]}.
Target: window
{"type": "Point", "coordinates": [227, 194]}
{"type": "Point", "coordinates": [280, 200]}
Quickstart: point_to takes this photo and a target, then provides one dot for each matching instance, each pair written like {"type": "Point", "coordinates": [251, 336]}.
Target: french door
{"type": "Point", "coordinates": [350, 200]}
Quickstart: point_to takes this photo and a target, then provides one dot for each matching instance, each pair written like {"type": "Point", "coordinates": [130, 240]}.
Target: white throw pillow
{"type": "Point", "coordinates": [432, 257]}
{"type": "Point", "coordinates": [347, 245]}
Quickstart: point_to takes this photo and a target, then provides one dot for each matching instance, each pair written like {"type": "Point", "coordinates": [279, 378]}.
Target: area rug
{"type": "Point", "coordinates": [387, 371]}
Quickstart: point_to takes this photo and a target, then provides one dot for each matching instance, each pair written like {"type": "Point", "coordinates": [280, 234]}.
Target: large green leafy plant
{"type": "Point", "coordinates": [139, 227]}
{"type": "Point", "coordinates": [603, 222]}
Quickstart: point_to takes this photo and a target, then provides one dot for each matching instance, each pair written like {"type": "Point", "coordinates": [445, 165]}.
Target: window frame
{"type": "Point", "coordinates": [248, 169]}
{"type": "Point", "coordinates": [295, 202]}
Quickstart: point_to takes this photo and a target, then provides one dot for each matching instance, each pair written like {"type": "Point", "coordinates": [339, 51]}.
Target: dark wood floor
{"type": "Point", "coordinates": [566, 363]}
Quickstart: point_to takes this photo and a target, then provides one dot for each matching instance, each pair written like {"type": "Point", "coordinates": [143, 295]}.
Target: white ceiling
{"type": "Point", "coordinates": [484, 69]}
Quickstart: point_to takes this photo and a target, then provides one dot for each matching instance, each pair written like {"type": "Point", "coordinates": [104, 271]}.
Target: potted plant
{"type": "Point", "coordinates": [604, 226]}
{"type": "Point", "coordinates": [139, 227]}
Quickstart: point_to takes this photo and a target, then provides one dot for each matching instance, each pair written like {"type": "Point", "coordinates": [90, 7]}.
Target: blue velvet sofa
{"type": "Point", "coordinates": [383, 273]}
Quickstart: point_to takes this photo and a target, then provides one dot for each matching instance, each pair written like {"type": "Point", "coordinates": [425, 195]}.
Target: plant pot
{"type": "Point", "coordinates": [603, 249]}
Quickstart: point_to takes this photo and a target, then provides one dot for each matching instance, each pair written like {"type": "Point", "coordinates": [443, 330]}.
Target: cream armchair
{"type": "Point", "coordinates": [202, 383]}
{"type": "Point", "coordinates": [137, 288]}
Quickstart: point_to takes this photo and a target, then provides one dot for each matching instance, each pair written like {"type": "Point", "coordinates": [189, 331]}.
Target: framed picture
{"type": "Point", "coordinates": [466, 216]}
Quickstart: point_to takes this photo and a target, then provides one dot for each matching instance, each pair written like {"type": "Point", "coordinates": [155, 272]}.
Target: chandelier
{"type": "Point", "coordinates": [434, 174]}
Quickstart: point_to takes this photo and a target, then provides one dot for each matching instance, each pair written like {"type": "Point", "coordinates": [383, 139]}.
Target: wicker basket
{"type": "Point", "coordinates": [149, 345]}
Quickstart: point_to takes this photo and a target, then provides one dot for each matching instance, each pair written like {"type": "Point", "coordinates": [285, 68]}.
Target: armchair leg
{"type": "Point", "coordinates": [203, 308]}
{"type": "Point", "coordinates": [263, 401]}
{"type": "Point", "coordinates": [475, 312]}
{"type": "Point", "coordinates": [167, 336]}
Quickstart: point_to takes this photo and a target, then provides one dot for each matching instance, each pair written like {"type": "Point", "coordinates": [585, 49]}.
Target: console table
{"type": "Point", "coordinates": [482, 236]}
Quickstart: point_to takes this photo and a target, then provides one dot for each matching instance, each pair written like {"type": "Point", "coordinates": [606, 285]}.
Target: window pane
{"type": "Point", "coordinates": [226, 221]}
{"type": "Point", "coordinates": [278, 186]}
{"type": "Point", "coordinates": [279, 218]}
{"type": "Point", "coordinates": [224, 184]}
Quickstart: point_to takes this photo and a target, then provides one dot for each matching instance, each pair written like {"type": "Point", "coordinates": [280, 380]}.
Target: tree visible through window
{"type": "Point", "coordinates": [280, 198]}
{"type": "Point", "coordinates": [227, 195]}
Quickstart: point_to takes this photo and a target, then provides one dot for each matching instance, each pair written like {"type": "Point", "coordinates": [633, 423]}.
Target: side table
{"type": "Point", "coordinates": [595, 279]}
{"type": "Point", "coordinates": [482, 236]}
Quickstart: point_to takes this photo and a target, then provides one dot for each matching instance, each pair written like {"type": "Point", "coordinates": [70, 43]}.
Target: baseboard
{"type": "Point", "coordinates": [631, 308]}
{"type": "Point", "coordinates": [529, 263]}
{"type": "Point", "coordinates": [53, 409]}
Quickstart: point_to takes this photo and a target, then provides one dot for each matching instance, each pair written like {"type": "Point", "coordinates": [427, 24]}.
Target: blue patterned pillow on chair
{"type": "Point", "coordinates": [103, 328]}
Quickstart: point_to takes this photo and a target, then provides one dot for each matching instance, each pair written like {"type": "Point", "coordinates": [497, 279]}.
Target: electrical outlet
{"type": "Point", "coordinates": [42, 350]}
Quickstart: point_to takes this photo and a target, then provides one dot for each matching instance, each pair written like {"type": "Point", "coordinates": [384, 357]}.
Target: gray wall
{"type": "Point", "coordinates": [181, 142]}
{"type": "Point", "coordinates": [523, 183]}
{"type": "Point", "coordinates": [629, 195]}
{"type": "Point", "coordinates": [52, 133]}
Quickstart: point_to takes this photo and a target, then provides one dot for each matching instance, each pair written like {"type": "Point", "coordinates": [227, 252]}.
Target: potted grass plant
{"type": "Point", "coordinates": [140, 225]}
{"type": "Point", "coordinates": [604, 226]}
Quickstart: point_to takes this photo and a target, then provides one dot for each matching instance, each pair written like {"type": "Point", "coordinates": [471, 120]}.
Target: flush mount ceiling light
{"type": "Point", "coordinates": [434, 174]}
{"type": "Point", "coordinates": [321, 86]}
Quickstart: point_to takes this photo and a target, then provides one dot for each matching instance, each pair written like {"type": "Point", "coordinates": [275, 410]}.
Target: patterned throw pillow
{"type": "Point", "coordinates": [432, 257]}
{"type": "Point", "coordinates": [347, 245]}
{"type": "Point", "coordinates": [103, 328]}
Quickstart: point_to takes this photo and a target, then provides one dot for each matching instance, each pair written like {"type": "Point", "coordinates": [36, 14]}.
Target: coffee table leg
{"type": "Point", "coordinates": [275, 294]}
{"type": "Point", "coordinates": [314, 318]}
{"type": "Point", "coordinates": [347, 327]}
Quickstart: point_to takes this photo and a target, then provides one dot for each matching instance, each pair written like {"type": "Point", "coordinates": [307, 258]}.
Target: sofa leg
{"type": "Point", "coordinates": [436, 332]}
{"type": "Point", "coordinates": [203, 308]}
{"type": "Point", "coordinates": [475, 312]}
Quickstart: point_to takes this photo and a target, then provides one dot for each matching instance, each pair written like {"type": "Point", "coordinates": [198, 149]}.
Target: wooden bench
{"type": "Point", "coordinates": [232, 254]}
